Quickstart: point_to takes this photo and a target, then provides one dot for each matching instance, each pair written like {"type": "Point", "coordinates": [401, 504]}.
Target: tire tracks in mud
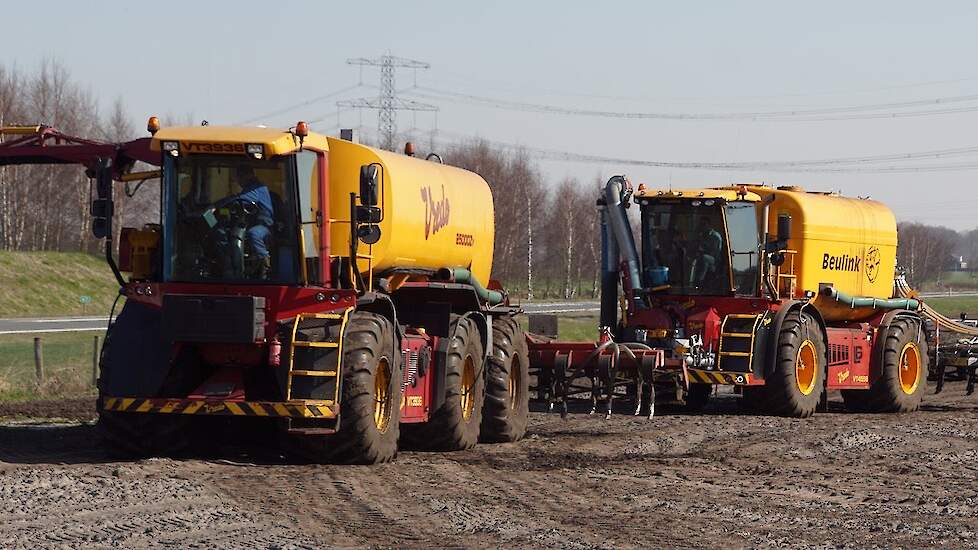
{"type": "Point", "coordinates": [718, 479]}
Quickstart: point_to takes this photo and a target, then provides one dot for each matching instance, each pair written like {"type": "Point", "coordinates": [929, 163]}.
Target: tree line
{"type": "Point", "coordinates": [546, 242]}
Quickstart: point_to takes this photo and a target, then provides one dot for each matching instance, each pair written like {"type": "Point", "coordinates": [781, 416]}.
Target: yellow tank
{"type": "Point", "coordinates": [434, 215]}
{"type": "Point", "coordinates": [846, 242]}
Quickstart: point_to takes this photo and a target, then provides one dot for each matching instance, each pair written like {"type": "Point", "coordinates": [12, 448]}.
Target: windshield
{"type": "Point", "coordinates": [229, 219]}
{"type": "Point", "coordinates": [686, 249]}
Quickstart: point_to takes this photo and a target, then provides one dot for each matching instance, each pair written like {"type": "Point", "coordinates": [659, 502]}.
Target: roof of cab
{"type": "Point", "coordinates": [726, 193]}
{"type": "Point", "coordinates": [277, 141]}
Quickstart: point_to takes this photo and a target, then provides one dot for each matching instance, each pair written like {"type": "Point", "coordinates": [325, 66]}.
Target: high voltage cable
{"type": "Point", "coordinates": [300, 104]}
{"type": "Point", "coordinates": [795, 166]}
{"type": "Point", "coordinates": [853, 111]}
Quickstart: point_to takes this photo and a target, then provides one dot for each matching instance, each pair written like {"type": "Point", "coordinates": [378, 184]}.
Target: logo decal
{"type": "Point", "coordinates": [843, 376]}
{"type": "Point", "coordinates": [841, 263]}
{"type": "Point", "coordinates": [436, 211]}
{"type": "Point", "coordinates": [872, 261]}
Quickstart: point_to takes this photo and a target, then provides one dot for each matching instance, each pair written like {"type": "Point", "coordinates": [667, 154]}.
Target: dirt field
{"type": "Point", "coordinates": [720, 479]}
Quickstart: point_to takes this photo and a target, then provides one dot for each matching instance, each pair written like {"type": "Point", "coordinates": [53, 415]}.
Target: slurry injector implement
{"type": "Point", "coordinates": [781, 293]}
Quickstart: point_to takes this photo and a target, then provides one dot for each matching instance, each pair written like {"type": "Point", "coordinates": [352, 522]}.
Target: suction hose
{"type": "Point", "coordinates": [462, 275]}
{"type": "Point", "coordinates": [875, 303]}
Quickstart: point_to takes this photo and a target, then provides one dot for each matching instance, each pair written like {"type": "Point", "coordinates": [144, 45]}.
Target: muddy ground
{"type": "Point", "coordinates": [720, 479]}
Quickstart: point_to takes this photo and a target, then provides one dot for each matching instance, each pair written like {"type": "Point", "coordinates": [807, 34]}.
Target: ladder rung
{"type": "Point", "coordinates": [734, 354]}
{"type": "Point", "coordinates": [737, 334]}
{"type": "Point", "coordinates": [303, 344]}
{"type": "Point", "coordinates": [320, 316]}
{"type": "Point", "coordinates": [742, 315]}
{"type": "Point", "coordinates": [310, 402]}
{"type": "Point", "coordinates": [321, 373]}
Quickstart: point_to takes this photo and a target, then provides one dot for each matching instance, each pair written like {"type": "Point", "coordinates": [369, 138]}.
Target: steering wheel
{"type": "Point", "coordinates": [243, 208]}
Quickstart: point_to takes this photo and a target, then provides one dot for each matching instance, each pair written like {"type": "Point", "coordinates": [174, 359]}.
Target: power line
{"type": "Point", "coordinates": [851, 112]}
{"type": "Point", "coordinates": [837, 165]}
{"type": "Point", "coordinates": [300, 104]}
{"type": "Point", "coordinates": [521, 88]}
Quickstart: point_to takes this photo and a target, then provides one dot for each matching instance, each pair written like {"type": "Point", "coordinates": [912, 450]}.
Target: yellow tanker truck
{"type": "Point", "coordinates": [330, 291]}
{"type": "Point", "coordinates": [782, 293]}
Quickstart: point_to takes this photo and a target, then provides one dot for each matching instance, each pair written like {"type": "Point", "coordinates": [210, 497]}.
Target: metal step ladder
{"type": "Point", "coordinates": [314, 366]}
{"type": "Point", "coordinates": [737, 335]}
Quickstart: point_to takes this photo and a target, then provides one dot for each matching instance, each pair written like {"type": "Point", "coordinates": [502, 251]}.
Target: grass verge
{"type": "Point", "coordinates": [67, 365]}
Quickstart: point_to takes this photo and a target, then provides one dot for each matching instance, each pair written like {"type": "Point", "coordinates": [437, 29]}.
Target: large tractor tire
{"type": "Point", "coordinates": [142, 435]}
{"type": "Point", "coordinates": [370, 404]}
{"type": "Point", "coordinates": [903, 373]}
{"type": "Point", "coordinates": [796, 381]}
{"type": "Point", "coordinates": [455, 425]}
{"type": "Point", "coordinates": [137, 435]}
{"type": "Point", "coordinates": [507, 404]}
{"type": "Point", "coordinates": [697, 397]}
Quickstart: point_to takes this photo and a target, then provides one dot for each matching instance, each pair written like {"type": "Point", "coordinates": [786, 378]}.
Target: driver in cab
{"type": "Point", "coordinates": [257, 236]}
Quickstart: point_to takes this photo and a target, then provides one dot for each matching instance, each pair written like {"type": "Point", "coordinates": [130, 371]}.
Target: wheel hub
{"type": "Point", "coordinates": [466, 390]}
{"type": "Point", "coordinates": [382, 395]}
{"type": "Point", "coordinates": [806, 368]}
{"type": "Point", "coordinates": [909, 368]}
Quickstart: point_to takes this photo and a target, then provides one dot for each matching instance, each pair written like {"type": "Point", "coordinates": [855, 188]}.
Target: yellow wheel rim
{"type": "Point", "coordinates": [467, 390]}
{"type": "Point", "coordinates": [806, 368]}
{"type": "Point", "coordinates": [909, 368]}
{"type": "Point", "coordinates": [382, 395]}
{"type": "Point", "coordinates": [514, 384]}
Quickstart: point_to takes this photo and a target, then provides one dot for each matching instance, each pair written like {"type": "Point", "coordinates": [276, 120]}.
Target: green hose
{"type": "Point", "coordinates": [462, 275]}
{"type": "Point", "coordinates": [875, 303]}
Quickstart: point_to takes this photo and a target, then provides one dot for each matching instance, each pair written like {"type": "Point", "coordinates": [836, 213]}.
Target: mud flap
{"type": "Point", "coordinates": [137, 357]}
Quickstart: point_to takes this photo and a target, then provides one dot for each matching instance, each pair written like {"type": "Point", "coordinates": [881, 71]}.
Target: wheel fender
{"type": "Point", "coordinates": [382, 305]}
{"type": "Point", "coordinates": [779, 317]}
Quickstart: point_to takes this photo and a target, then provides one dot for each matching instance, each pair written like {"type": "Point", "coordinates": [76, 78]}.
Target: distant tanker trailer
{"type": "Point", "coordinates": [782, 293]}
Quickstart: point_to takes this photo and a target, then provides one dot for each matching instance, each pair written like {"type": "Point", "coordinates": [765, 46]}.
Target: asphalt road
{"type": "Point", "coordinates": [73, 324]}
{"type": "Point", "coordinates": [77, 324]}
{"type": "Point", "coordinates": [63, 324]}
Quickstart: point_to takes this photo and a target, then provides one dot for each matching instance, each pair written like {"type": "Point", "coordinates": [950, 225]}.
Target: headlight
{"type": "Point", "coordinates": [256, 150]}
{"type": "Point", "coordinates": [172, 147]}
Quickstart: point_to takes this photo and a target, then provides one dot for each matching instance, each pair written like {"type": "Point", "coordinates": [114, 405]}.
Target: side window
{"type": "Point", "coordinates": [307, 169]}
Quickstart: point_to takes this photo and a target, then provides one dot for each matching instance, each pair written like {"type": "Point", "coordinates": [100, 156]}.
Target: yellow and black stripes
{"type": "Point", "coordinates": [716, 377]}
{"type": "Point", "coordinates": [229, 408]}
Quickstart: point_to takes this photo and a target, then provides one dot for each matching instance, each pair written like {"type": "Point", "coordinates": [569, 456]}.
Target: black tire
{"type": "Point", "coordinates": [136, 435]}
{"type": "Point", "coordinates": [368, 353]}
{"type": "Point", "coordinates": [697, 397]}
{"type": "Point", "coordinates": [895, 389]}
{"type": "Point", "coordinates": [142, 435]}
{"type": "Point", "coordinates": [453, 427]}
{"type": "Point", "coordinates": [507, 404]}
{"type": "Point", "coordinates": [790, 390]}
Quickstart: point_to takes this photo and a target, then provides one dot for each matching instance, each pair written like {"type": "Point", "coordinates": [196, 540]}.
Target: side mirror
{"type": "Point", "coordinates": [102, 207]}
{"type": "Point", "coordinates": [368, 234]}
{"type": "Point", "coordinates": [368, 184]}
{"type": "Point", "coordinates": [784, 228]}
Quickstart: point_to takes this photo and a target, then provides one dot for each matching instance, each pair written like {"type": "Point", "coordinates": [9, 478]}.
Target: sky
{"type": "Point", "coordinates": [231, 62]}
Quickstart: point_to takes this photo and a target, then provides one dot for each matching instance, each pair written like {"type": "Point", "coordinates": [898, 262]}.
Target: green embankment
{"type": "Point", "coordinates": [953, 306]}
{"type": "Point", "coordinates": [36, 284]}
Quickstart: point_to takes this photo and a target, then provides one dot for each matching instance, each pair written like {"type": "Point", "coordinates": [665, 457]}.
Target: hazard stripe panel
{"type": "Point", "coordinates": [717, 377]}
{"type": "Point", "coordinates": [229, 408]}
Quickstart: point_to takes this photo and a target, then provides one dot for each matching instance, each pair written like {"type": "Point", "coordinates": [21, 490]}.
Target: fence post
{"type": "Point", "coordinates": [38, 361]}
{"type": "Point", "coordinates": [95, 362]}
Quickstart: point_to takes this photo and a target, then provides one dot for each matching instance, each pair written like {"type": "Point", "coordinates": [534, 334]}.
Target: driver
{"type": "Point", "coordinates": [254, 190]}
{"type": "Point", "coordinates": [708, 255]}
